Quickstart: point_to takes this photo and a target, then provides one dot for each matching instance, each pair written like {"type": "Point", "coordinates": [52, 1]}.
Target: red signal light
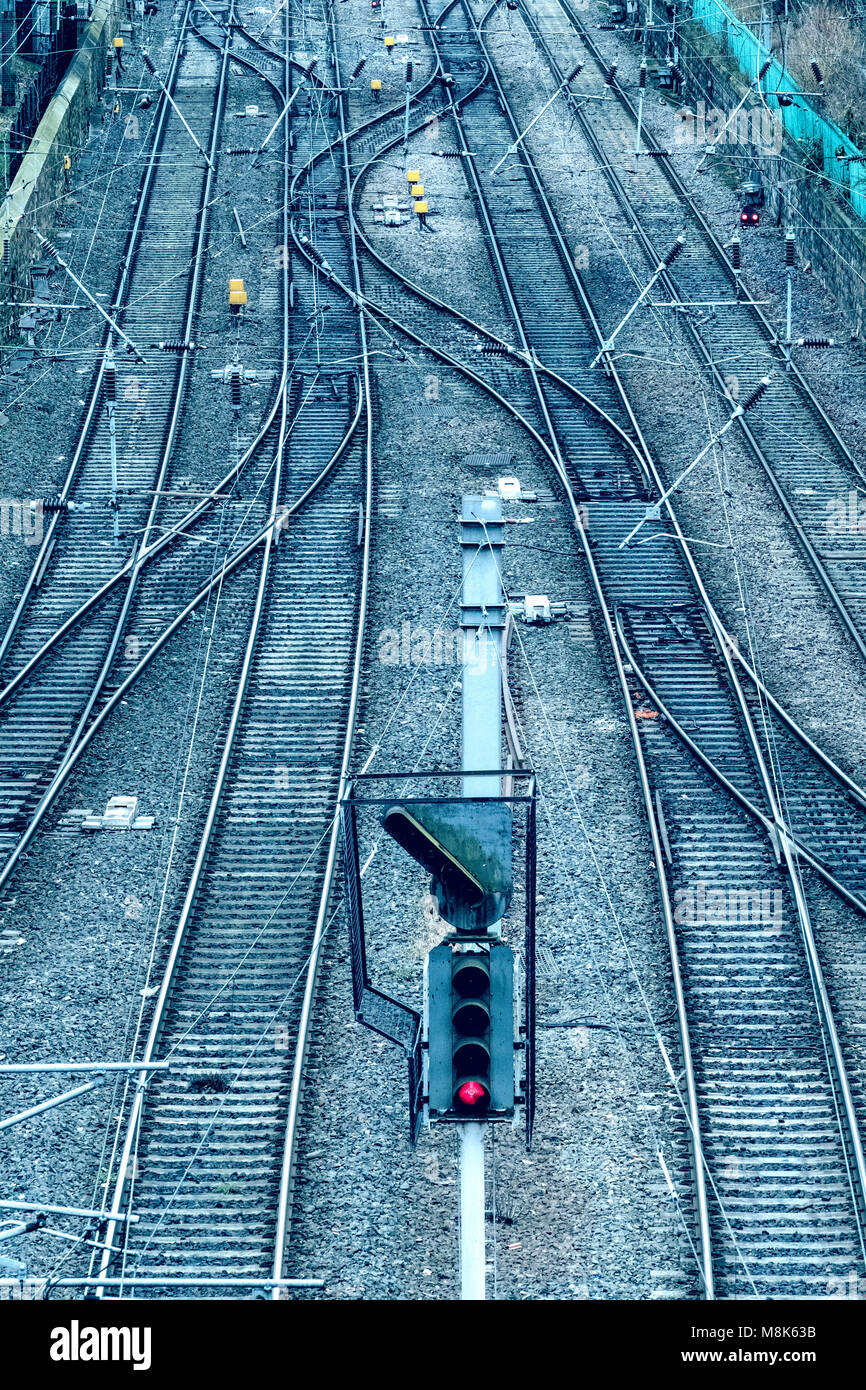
{"type": "Point", "coordinates": [471, 1094]}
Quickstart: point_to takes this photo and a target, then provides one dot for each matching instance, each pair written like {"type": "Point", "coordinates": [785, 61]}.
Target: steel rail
{"type": "Point", "coordinates": [691, 1102]}
{"type": "Point", "coordinates": [556, 459]}
{"type": "Point", "coordinates": [447, 357]}
{"type": "Point", "coordinates": [157, 128]}
{"type": "Point", "coordinates": [149, 552]}
{"type": "Point", "coordinates": [801, 902]}
{"type": "Point", "coordinates": [802, 850]}
{"type": "Point", "coordinates": [133, 569]}
{"type": "Point", "coordinates": [823, 1003]}
{"type": "Point", "coordinates": [196, 877]}
{"type": "Point", "coordinates": [228, 567]}
{"type": "Point", "coordinates": [124, 1176]}
{"type": "Point", "coordinates": [290, 1144]}
{"type": "Point", "coordinates": [180, 384]}
{"type": "Point", "coordinates": [687, 201]}
{"type": "Point", "coordinates": [150, 548]}
{"type": "Point", "coordinates": [845, 781]}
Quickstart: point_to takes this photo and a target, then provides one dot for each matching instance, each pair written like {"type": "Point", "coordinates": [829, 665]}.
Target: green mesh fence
{"type": "Point", "coordinates": [801, 120]}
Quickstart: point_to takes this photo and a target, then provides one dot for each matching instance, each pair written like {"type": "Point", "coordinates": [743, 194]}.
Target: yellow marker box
{"type": "Point", "coordinates": [118, 42]}
{"type": "Point", "coordinates": [376, 85]}
{"type": "Point", "coordinates": [417, 190]}
{"type": "Point", "coordinates": [420, 208]}
{"type": "Point", "coordinates": [235, 285]}
{"type": "Point", "coordinates": [389, 41]}
{"type": "Point", "coordinates": [237, 297]}
{"type": "Point", "coordinates": [414, 176]}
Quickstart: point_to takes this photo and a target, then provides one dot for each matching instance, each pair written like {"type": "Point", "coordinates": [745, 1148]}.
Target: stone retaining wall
{"type": "Point", "coordinates": [829, 234]}
{"type": "Point", "coordinates": [40, 178]}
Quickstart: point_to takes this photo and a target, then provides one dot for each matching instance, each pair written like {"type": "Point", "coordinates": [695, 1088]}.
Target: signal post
{"type": "Point", "coordinates": [462, 1054]}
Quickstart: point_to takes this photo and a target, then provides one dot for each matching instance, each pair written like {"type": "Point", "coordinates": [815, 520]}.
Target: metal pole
{"type": "Point", "coordinates": [8, 1204]}
{"type": "Point", "coordinates": [50, 1104]}
{"type": "Point", "coordinates": [52, 251]}
{"type": "Point", "coordinates": [21, 1228]}
{"type": "Point", "coordinates": [512, 149]}
{"type": "Point", "coordinates": [170, 1282]}
{"type": "Point", "coordinates": [660, 270]}
{"type": "Point", "coordinates": [654, 511]}
{"type": "Point", "coordinates": [82, 1066]}
{"type": "Point", "coordinates": [285, 111]}
{"type": "Point", "coordinates": [733, 116]}
{"type": "Point", "coordinates": [788, 323]}
{"type": "Point", "coordinates": [472, 1253]}
{"type": "Point", "coordinates": [148, 63]}
{"type": "Point", "coordinates": [482, 622]}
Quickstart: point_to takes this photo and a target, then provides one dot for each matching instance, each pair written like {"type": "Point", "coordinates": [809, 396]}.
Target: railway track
{"type": "Point", "coordinates": [804, 1225]}
{"type": "Point", "coordinates": [772, 1084]}
{"type": "Point", "coordinates": [208, 1153]}
{"type": "Point", "coordinates": [60, 649]}
{"type": "Point", "coordinates": [810, 469]}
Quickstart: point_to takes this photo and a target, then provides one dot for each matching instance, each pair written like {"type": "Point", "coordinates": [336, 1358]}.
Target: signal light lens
{"type": "Point", "coordinates": [471, 978]}
{"type": "Point", "coordinates": [472, 1018]}
{"type": "Point", "coordinates": [472, 1094]}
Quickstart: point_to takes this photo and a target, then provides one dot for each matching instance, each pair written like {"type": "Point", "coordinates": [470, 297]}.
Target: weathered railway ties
{"type": "Point", "coordinates": [208, 1155]}
{"type": "Point", "coordinates": [208, 1152]}
{"type": "Point", "coordinates": [808, 464]}
{"type": "Point", "coordinates": [734, 1260]}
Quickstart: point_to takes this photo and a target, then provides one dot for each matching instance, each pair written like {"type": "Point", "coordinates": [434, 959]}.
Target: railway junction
{"type": "Point", "coordinates": [432, 626]}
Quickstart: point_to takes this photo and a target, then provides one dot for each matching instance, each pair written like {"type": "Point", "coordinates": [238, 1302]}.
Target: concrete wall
{"type": "Point", "coordinates": [829, 234]}
{"type": "Point", "coordinates": [39, 179]}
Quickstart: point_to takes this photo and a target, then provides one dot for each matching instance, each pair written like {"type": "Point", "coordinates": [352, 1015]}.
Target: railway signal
{"type": "Point", "coordinates": [462, 1057]}
{"type": "Point", "coordinates": [470, 1028]}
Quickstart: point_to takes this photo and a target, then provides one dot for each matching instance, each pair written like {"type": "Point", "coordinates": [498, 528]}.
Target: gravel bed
{"type": "Point", "coordinates": [586, 1214]}
{"type": "Point", "coordinates": [804, 654]}
{"type": "Point", "coordinates": [374, 1218]}
{"type": "Point", "coordinates": [41, 396]}
{"type": "Point", "coordinates": [77, 924]}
